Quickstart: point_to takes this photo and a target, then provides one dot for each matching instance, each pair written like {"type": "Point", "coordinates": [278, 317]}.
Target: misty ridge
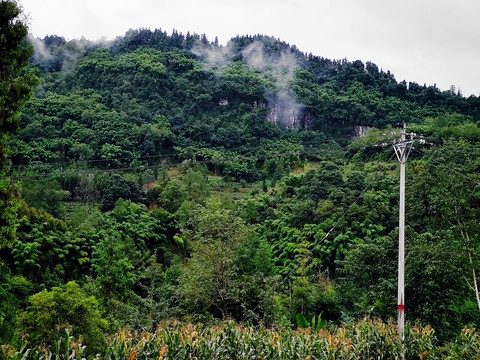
{"type": "Point", "coordinates": [291, 88]}
{"type": "Point", "coordinates": [55, 54]}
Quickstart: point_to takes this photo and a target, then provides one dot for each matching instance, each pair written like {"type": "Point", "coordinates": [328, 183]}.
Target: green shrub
{"type": "Point", "coordinates": [51, 312]}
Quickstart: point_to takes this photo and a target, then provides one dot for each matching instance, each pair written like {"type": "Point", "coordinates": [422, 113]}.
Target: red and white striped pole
{"type": "Point", "coordinates": [402, 149]}
{"type": "Point", "coordinates": [401, 249]}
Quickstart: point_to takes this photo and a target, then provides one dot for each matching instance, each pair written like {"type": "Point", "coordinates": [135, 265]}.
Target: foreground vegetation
{"type": "Point", "coordinates": [366, 339]}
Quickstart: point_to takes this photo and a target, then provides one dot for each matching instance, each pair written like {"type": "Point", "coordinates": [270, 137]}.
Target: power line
{"type": "Point", "coordinates": [145, 157]}
{"type": "Point", "coordinates": [93, 160]}
{"type": "Point", "coordinates": [184, 162]}
{"type": "Point", "coordinates": [438, 163]}
{"type": "Point", "coordinates": [252, 157]}
{"type": "Point", "coordinates": [243, 148]}
{"type": "Point", "coordinates": [335, 225]}
{"type": "Point", "coordinates": [157, 166]}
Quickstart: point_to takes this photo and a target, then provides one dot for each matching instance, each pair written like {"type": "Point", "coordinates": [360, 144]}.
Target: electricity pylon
{"type": "Point", "coordinates": [402, 150]}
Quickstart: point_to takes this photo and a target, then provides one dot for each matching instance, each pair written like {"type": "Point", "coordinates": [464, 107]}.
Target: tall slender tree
{"type": "Point", "coordinates": [16, 84]}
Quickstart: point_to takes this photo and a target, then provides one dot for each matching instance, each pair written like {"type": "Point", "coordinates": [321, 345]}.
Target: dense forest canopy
{"type": "Point", "coordinates": [166, 176]}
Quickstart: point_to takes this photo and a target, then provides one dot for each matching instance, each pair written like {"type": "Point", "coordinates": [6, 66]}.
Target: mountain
{"type": "Point", "coordinates": [147, 91]}
{"type": "Point", "coordinates": [165, 176]}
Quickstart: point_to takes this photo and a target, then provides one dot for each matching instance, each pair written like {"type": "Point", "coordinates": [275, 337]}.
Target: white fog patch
{"type": "Point", "coordinates": [63, 57]}
{"type": "Point", "coordinates": [41, 51]}
{"type": "Point", "coordinates": [214, 58]}
{"type": "Point", "coordinates": [283, 105]}
{"type": "Point", "coordinates": [280, 67]}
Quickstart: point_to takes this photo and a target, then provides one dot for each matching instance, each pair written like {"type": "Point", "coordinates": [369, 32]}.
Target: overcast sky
{"type": "Point", "coordinates": [426, 41]}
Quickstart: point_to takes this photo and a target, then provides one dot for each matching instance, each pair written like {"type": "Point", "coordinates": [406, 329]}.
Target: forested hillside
{"type": "Point", "coordinates": [166, 177]}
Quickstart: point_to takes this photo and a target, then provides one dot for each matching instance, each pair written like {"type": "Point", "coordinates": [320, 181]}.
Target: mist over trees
{"type": "Point", "coordinates": [164, 177]}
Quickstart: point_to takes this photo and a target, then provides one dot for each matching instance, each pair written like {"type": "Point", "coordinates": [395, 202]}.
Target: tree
{"type": "Point", "coordinates": [14, 291]}
{"type": "Point", "coordinates": [128, 243]}
{"type": "Point", "coordinates": [112, 262]}
{"type": "Point", "coordinates": [45, 194]}
{"type": "Point", "coordinates": [209, 282]}
{"type": "Point", "coordinates": [173, 195]}
{"type": "Point", "coordinates": [15, 88]}
{"type": "Point", "coordinates": [452, 197]}
{"type": "Point", "coordinates": [119, 187]}
{"type": "Point", "coordinates": [148, 177]}
{"type": "Point", "coordinates": [86, 190]}
{"type": "Point", "coordinates": [367, 277]}
{"type": "Point", "coordinates": [16, 82]}
{"type": "Point", "coordinates": [52, 311]}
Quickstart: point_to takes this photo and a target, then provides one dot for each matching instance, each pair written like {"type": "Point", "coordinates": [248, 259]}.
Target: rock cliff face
{"type": "Point", "coordinates": [285, 115]}
{"type": "Point", "coordinates": [359, 131]}
{"type": "Point", "coordinates": [289, 116]}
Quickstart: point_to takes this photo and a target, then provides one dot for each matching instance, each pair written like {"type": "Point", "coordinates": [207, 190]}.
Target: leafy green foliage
{"type": "Point", "coordinates": [317, 324]}
{"type": "Point", "coordinates": [14, 289]}
{"type": "Point", "coordinates": [46, 195]}
{"type": "Point", "coordinates": [449, 126]}
{"type": "Point", "coordinates": [50, 312]}
{"type": "Point", "coordinates": [43, 244]}
{"type": "Point", "coordinates": [16, 84]}
{"type": "Point", "coordinates": [118, 187]}
{"type": "Point", "coordinates": [209, 281]}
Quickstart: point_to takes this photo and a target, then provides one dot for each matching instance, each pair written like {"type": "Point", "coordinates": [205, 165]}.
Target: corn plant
{"type": "Point", "coordinates": [365, 339]}
{"type": "Point", "coordinates": [64, 347]}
